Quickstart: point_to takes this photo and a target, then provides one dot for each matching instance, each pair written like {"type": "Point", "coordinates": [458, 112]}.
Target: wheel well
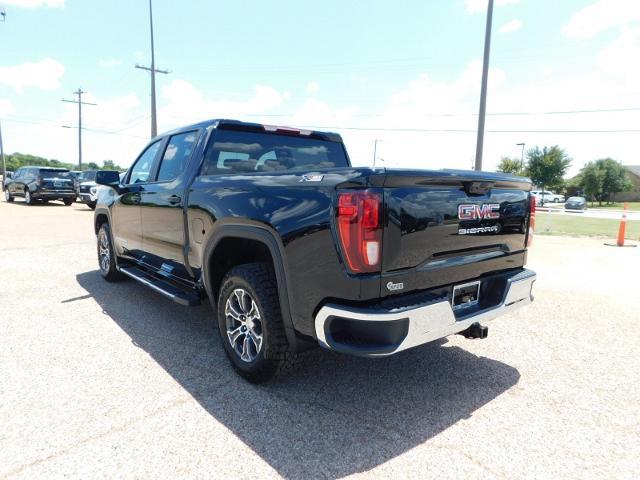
{"type": "Point", "coordinates": [100, 220]}
{"type": "Point", "coordinates": [232, 251]}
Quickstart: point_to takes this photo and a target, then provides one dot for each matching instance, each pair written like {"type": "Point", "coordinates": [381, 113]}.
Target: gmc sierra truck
{"type": "Point", "coordinates": [294, 247]}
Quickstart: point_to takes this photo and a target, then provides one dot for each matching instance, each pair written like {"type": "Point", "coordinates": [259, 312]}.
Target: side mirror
{"type": "Point", "coordinates": [9, 174]}
{"type": "Point", "coordinates": [110, 178]}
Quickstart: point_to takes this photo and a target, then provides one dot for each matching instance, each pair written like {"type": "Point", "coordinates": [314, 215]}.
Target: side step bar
{"type": "Point", "coordinates": [172, 292]}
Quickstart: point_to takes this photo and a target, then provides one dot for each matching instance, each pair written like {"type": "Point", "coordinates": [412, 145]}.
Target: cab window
{"type": "Point", "coordinates": [142, 168]}
{"type": "Point", "coordinates": [176, 156]}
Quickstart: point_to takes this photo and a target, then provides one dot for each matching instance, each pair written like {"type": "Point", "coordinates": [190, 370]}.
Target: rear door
{"type": "Point", "coordinates": [446, 227]}
{"type": "Point", "coordinates": [161, 206]}
{"type": "Point", "coordinates": [127, 222]}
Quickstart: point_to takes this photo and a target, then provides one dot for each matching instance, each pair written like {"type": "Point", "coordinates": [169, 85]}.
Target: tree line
{"type": "Point", "coordinates": [17, 160]}
{"type": "Point", "coordinates": [598, 180]}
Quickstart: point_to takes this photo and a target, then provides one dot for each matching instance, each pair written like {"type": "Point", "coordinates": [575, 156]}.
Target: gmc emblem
{"type": "Point", "coordinates": [478, 212]}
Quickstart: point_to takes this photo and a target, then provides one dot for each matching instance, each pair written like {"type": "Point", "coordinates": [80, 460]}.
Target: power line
{"type": "Point", "coordinates": [460, 130]}
{"type": "Point", "coordinates": [492, 114]}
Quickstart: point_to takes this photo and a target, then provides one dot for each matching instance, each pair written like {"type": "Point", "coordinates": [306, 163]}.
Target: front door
{"type": "Point", "coordinates": [161, 207]}
{"type": "Point", "coordinates": [127, 222]}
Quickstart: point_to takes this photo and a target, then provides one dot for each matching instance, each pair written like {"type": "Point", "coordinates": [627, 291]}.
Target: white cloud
{"type": "Point", "coordinates": [44, 74]}
{"type": "Point", "coordinates": [6, 107]}
{"type": "Point", "coordinates": [619, 60]}
{"type": "Point", "coordinates": [478, 6]}
{"type": "Point", "coordinates": [110, 62]}
{"type": "Point", "coordinates": [600, 16]}
{"type": "Point", "coordinates": [35, 3]}
{"type": "Point", "coordinates": [512, 26]}
{"type": "Point", "coordinates": [184, 103]}
{"type": "Point", "coordinates": [313, 87]}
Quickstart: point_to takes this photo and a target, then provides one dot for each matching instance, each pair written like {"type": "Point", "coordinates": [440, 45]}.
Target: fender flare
{"type": "Point", "coordinates": [265, 235]}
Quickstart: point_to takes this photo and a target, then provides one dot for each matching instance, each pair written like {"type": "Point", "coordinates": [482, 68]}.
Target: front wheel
{"type": "Point", "coordinates": [7, 196]}
{"type": "Point", "coordinates": [28, 198]}
{"type": "Point", "coordinates": [106, 255]}
{"type": "Point", "coordinates": [68, 201]}
{"type": "Point", "coordinates": [250, 323]}
{"type": "Point", "coordinates": [91, 205]}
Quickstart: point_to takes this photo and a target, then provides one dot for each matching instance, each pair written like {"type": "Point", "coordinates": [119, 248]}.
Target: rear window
{"type": "Point", "coordinates": [54, 174]}
{"type": "Point", "coordinates": [240, 152]}
{"type": "Point", "coordinates": [574, 199]}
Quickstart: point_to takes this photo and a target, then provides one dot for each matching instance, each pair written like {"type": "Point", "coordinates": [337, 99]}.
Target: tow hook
{"type": "Point", "coordinates": [476, 331]}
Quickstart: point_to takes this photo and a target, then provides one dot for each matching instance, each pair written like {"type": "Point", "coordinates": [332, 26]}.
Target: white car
{"type": "Point", "coordinates": [546, 196]}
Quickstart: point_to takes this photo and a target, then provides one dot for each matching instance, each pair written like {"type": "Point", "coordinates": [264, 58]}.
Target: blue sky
{"type": "Point", "coordinates": [370, 70]}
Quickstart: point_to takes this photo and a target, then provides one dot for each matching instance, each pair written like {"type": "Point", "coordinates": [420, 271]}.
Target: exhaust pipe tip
{"type": "Point", "coordinates": [476, 331]}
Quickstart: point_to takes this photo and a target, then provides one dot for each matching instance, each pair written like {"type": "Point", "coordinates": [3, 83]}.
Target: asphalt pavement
{"type": "Point", "coordinates": [101, 380]}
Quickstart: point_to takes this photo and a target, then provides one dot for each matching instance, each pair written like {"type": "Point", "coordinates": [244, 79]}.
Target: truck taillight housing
{"type": "Point", "coordinates": [532, 220]}
{"type": "Point", "coordinates": [359, 229]}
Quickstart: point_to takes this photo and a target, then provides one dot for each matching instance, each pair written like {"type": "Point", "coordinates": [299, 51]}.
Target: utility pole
{"type": "Point", "coordinates": [79, 101]}
{"type": "Point", "coordinates": [521, 156]}
{"type": "Point", "coordinates": [3, 16]}
{"type": "Point", "coordinates": [153, 70]}
{"type": "Point", "coordinates": [483, 91]}
{"type": "Point", "coordinates": [375, 149]}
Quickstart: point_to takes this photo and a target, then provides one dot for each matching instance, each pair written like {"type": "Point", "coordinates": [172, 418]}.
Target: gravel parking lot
{"type": "Point", "coordinates": [112, 380]}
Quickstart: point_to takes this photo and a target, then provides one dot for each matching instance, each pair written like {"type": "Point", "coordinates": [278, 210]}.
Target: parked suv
{"type": "Point", "coordinates": [40, 183]}
{"type": "Point", "coordinates": [87, 188]}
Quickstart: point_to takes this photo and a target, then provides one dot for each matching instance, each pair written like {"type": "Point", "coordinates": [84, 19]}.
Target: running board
{"type": "Point", "coordinates": [172, 292]}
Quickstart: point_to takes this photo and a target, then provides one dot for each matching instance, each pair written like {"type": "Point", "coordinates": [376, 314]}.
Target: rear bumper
{"type": "Point", "coordinates": [53, 194]}
{"type": "Point", "coordinates": [373, 332]}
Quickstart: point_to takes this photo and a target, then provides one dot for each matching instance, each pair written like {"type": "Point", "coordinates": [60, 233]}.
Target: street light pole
{"type": "Point", "coordinates": [521, 156]}
{"type": "Point", "coordinates": [483, 91]}
{"type": "Point", "coordinates": [375, 149]}
{"type": "Point", "coordinates": [153, 70]}
{"type": "Point", "coordinates": [4, 165]}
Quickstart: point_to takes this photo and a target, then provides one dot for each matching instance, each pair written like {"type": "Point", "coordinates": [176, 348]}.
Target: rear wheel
{"type": "Point", "coordinates": [68, 201]}
{"type": "Point", "coordinates": [7, 196]}
{"type": "Point", "coordinates": [28, 198]}
{"type": "Point", "coordinates": [91, 205]}
{"type": "Point", "coordinates": [250, 323]}
{"type": "Point", "coordinates": [106, 255]}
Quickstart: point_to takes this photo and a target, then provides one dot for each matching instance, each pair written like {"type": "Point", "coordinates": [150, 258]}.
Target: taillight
{"type": "Point", "coordinates": [359, 229]}
{"type": "Point", "coordinates": [532, 220]}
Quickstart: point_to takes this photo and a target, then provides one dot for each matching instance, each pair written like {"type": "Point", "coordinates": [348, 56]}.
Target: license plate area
{"type": "Point", "coordinates": [58, 184]}
{"type": "Point", "coordinates": [465, 296]}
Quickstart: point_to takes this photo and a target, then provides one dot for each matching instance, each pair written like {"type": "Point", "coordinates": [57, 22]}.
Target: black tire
{"type": "Point", "coordinates": [273, 355]}
{"type": "Point", "coordinates": [105, 247]}
{"type": "Point", "coordinates": [7, 196]}
{"type": "Point", "coordinates": [28, 198]}
{"type": "Point", "coordinates": [68, 201]}
{"type": "Point", "coordinates": [91, 205]}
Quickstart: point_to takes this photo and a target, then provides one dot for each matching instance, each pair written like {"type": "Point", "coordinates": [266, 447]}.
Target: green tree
{"type": "Point", "coordinates": [510, 165]}
{"type": "Point", "coordinates": [603, 178]}
{"type": "Point", "coordinates": [547, 166]}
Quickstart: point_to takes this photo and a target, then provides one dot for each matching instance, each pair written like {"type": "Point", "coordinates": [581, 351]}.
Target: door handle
{"type": "Point", "coordinates": [174, 199]}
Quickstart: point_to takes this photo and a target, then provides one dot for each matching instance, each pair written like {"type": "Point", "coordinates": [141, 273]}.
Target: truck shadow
{"type": "Point", "coordinates": [334, 415]}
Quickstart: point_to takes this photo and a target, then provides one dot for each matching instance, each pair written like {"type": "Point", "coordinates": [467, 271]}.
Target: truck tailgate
{"type": "Point", "coordinates": [444, 227]}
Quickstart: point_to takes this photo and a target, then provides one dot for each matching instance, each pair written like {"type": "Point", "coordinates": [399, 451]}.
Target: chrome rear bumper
{"type": "Point", "coordinates": [416, 325]}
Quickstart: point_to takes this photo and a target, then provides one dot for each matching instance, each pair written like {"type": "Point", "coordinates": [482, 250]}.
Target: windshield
{"type": "Point", "coordinates": [234, 152]}
{"type": "Point", "coordinates": [55, 174]}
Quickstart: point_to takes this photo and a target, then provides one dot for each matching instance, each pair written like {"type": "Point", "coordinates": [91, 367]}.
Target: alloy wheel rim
{"type": "Point", "coordinates": [104, 252]}
{"type": "Point", "coordinates": [7, 195]}
{"type": "Point", "coordinates": [27, 196]}
{"type": "Point", "coordinates": [244, 325]}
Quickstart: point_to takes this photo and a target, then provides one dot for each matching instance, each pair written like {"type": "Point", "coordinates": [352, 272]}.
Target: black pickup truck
{"type": "Point", "coordinates": [294, 247]}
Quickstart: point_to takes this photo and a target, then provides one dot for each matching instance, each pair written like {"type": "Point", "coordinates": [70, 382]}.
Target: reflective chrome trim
{"type": "Point", "coordinates": [428, 322]}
